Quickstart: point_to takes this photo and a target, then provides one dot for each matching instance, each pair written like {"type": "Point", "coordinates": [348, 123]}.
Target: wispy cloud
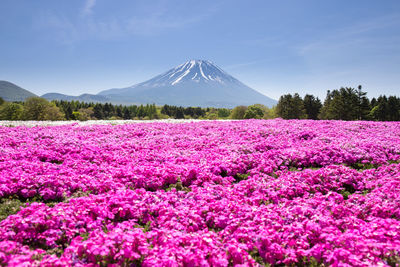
{"type": "Point", "coordinates": [351, 55]}
{"type": "Point", "coordinates": [154, 21]}
{"type": "Point", "coordinates": [159, 22]}
{"type": "Point", "coordinates": [58, 28]}
{"type": "Point", "coordinates": [88, 7]}
{"type": "Point", "coordinates": [356, 35]}
{"type": "Point", "coordinates": [241, 65]}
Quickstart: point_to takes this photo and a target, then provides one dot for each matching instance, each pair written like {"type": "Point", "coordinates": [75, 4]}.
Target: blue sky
{"type": "Point", "coordinates": [275, 47]}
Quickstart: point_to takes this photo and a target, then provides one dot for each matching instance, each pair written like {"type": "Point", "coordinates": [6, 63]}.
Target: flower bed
{"type": "Point", "coordinates": [201, 194]}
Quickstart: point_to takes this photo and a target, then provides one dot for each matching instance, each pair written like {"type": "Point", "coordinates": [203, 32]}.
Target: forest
{"type": "Point", "coordinates": [346, 103]}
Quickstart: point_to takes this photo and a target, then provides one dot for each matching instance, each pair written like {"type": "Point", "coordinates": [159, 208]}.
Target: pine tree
{"type": "Point", "coordinates": [119, 111]}
{"type": "Point", "coordinates": [98, 112]}
{"type": "Point", "coordinates": [179, 113]}
{"type": "Point", "coordinates": [141, 111]}
{"type": "Point", "coordinates": [393, 106]}
{"type": "Point", "coordinates": [291, 107]}
{"type": "Point", "coordinates": [126, 114]}
{"type": "Point", "coordinates": [312, 106]}
{"type": "Point", "coordinates": [363, 104]}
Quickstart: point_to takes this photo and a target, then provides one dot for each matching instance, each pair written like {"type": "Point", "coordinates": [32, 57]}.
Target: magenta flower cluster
{"type": "Point", "coordinates": [240, 193]}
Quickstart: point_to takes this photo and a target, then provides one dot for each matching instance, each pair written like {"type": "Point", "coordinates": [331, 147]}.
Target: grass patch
{"type": "Point", "coordinates": [362, 166]}
{"type": "Point", "coordinates": [12, 204]}
{"type": "Point", "coordinates": [296, 169]}
{"type": "Point", "coordinates": [9, 206]}
{"type": "Point", "coordinates": [240, 177]}
{"type": "Point", "coordinates": [178, 186]}
{"type": "Point", "coordinates": [256, 256]}
{"type": "Point", "coordinates": [347, 190]}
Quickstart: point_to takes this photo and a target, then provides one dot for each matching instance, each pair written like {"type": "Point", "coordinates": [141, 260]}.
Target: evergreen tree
{"type": "Point", "coordinates": [126, 115]}
{"type": "Point", "coordinates": [107, 110]}
{"type": "Point", "coordinates": [341, 104]}
{"type": "Point", "coordinates": [199, 112]}
{"type": "Point", "coordinates": [312, 106]}
{"type": "Point", "coordinates": [324, 112]}
{"type": "Point", "coordinates": [165, 110]}
{"type": "Point", "coordinates": [98, 112]}
{"type": "Point", "coordinates": [141, 111]}
{"type": "Point", "coordinates": [133, 111]}
{"type": "Point", "coordinates": [393, 105]}
{"type": "Point", "coordinates": [223, 113]}
{"type": "Point", "coordinates": [179, 113]}
{"type": "Point", "coordinates": [373, 102]}
{"type": "Point", "coordinates": [68, 113]}
{"type": "Point", "coordinates": [119, 111]}
{"type": "Point", "coordinates": [291, 107]}
{"type": "Point", "coordinates": [363, 104]}
{"type": "Point", "coordinates": [380, 111]}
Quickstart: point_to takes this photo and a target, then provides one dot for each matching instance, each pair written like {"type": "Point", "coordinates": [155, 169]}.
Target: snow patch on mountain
{"type": "Point", "coordinates": [193, 70]}
{"type": "Point", "coordinates": [193, 83]}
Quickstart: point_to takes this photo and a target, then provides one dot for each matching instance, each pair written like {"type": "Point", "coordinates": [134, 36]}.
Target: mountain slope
{"type": "Point", "coordinates": [194, 83]}
{"type": "Point", "coordinates": [11, 92]}
{"type": "Point", "coordinates": [83, 98]}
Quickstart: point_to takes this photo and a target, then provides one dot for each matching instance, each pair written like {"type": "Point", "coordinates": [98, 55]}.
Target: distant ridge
{"type": "Point", "coordinates": [83, 98]}
{"type": "Point", "coordinates": [193, 83]}
{"type": "Point", "coordinates": [11, 92]}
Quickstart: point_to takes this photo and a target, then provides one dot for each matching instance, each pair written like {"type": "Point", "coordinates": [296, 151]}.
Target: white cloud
{"type": "Point", "coordinates": [70, 30]}
{"type": "Point", "coordinates": [88, 7]}
{"type": "Point", "coordinates": [241, 65]}
{"type": "Point", "coordinates": [352, 37]}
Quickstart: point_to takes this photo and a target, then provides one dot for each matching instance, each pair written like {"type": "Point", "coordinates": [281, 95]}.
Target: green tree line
{"type": "Point", "coordinates": [37, 108]}
{"type": "Point", "coordinates": [345, 103]}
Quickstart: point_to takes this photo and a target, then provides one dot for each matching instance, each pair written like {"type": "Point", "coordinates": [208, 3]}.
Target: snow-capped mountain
{"type": "Point", "coordinates": [193, 83]}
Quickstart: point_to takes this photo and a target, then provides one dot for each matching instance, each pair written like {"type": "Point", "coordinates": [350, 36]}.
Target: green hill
{"type": "Point", "coordinates": [11, 92]}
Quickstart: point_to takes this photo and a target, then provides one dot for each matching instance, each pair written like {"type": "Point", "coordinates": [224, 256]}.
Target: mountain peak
{"type": "Point", "coordinates": [197, 82]}
{"type": "Point", "coordinates": [199, 61]}
{"type": "Point", "coordinates": [194, 70]}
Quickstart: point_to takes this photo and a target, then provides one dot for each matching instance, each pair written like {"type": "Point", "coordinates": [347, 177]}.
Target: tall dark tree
{"type": "Point", "coordinates": [393, 105]}
{"type": "Point", "coordinates": [179, 113]}
{"type": "Point", "coordinates": [107, 110]}
{"type": "Point", "coordinates": [291, 107]}
{"type": "Point", "coordinates": [133, 110]}
{"type": "Point", "coordinates": [141, 111]}
{"type": "Point", "coordinates": [312, 106]}
{"type": "Point", "coordinates": [324, 112]}
{"type": "Point", "coordinates": [68, 112]}
{"type": "Point", "coordinates": [98, 111]}
{"type": "Point", "coordinates": [126, 115]}
{"type": "Point", "coordinates": [380, 111]}
{"type": "Point", "coordinates": [373, 102]}
{"type": "Point", "coordinates": [363, 104]}
{"type": "Point", "coordinates": [118, 111]}
{"type": "Point", "coordinates": [341, 104]}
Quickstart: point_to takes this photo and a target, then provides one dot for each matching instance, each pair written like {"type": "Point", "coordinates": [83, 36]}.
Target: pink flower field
{"type": "Point", "coordinates": [237, 193]}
